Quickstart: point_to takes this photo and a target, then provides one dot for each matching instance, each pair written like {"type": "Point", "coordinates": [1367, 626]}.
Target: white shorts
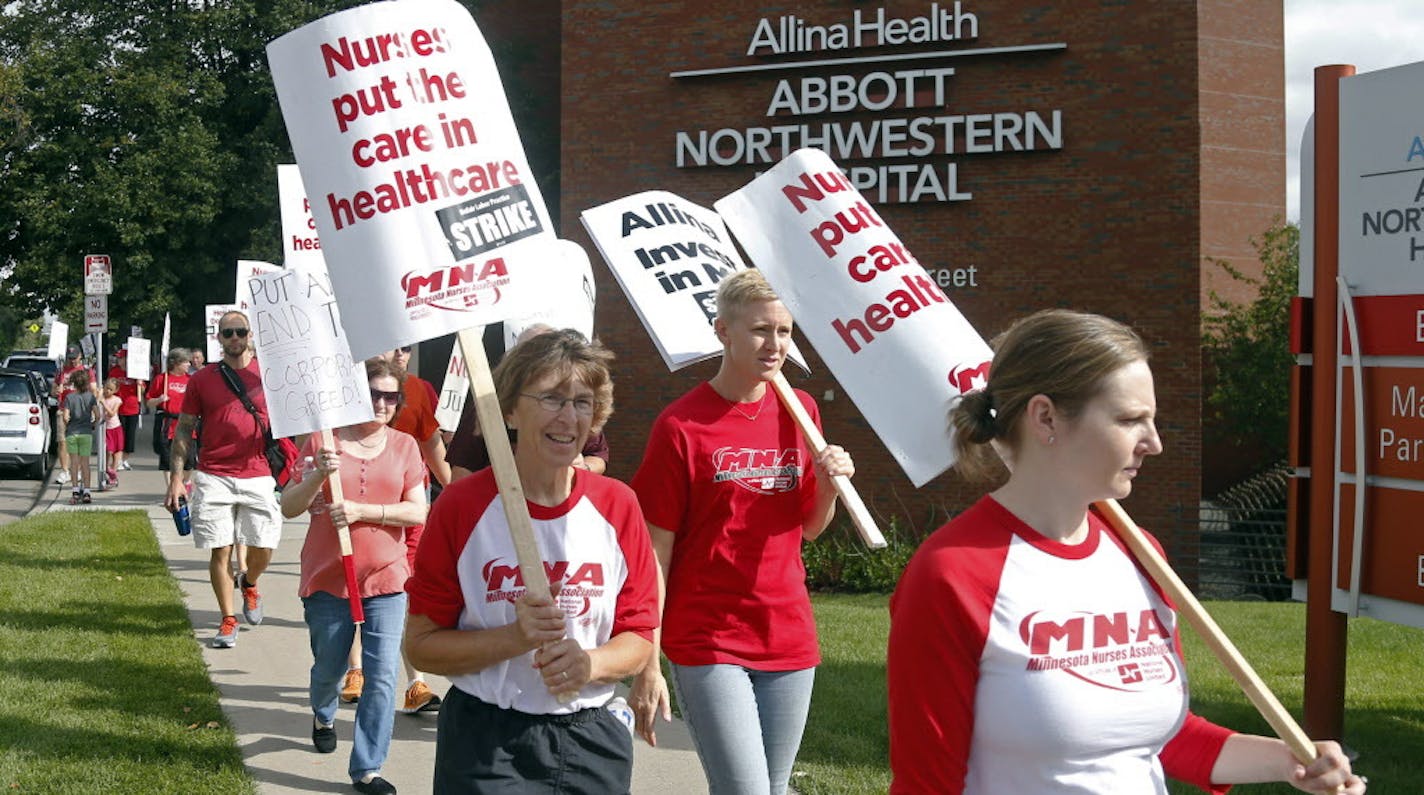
{"type": "Point", "coordinates": [241, 510]}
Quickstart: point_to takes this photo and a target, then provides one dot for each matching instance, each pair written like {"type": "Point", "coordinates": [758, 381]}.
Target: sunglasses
{"type": "Point", "coordinates": [405, 348]}
{"type": "Point", "coordinates": [378, 395]}
{"type": "Point", "coordinates": [229, 333]}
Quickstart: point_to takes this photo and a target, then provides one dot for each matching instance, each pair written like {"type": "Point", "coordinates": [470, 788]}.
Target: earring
{"type": "Point", "coordinates": [1052, 439]}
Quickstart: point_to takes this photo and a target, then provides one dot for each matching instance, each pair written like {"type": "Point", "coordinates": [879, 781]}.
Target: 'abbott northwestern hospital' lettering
{"type": "Point", "coordinates": [909, 152]}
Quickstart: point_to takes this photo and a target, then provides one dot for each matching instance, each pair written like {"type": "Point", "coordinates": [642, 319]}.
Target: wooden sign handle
{"type": "Point", "coordinates": [506, 476]}
{"type": "Point", "coordinates": [343, 537]}
{"type": "Point", "coordinates": [850, 498]}
{"type": "Point", "coordinates": [1187, 605]}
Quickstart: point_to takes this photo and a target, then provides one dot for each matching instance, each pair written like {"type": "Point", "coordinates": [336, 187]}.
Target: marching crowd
{"type": "Point", "coordinates": [697, 559]}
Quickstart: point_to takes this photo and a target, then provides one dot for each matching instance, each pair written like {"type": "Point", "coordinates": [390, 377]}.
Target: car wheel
{"type": "Point", "coordinates": [36, 470]}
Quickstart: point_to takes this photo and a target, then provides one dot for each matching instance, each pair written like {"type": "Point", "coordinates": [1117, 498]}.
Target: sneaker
{"type": "Point", "coordinates": [125, 466]}
{"type": "Point", "coordinates": [227, 633]}
{"type": "Point", "coordinates": [351, 689]}
{"type": "Point", "coordinates": [113, 477]}
{"type": "Point", "coordinates": [418, 698]}
{"type": "Point", "coordinates": [376, 786]}
{"type": "Point", "coordinates": [86, 497]}
{"type": "Point", "coordinates": [74, 498]}
{"type": "Point", "coordinates": [323, 737]}
{"type": "Point", "coordinates": [251, 603]}
{"type": "Point", "coordinates": [61, 477]}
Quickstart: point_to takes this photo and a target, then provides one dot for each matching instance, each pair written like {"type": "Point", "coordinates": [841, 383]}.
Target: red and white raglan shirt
{"type": "Point", "coordinates": [733, 490]}
{"type": "Point", "coordinates": [1020, 664]}
{"type": "Point", "coordinates": [596, 552]}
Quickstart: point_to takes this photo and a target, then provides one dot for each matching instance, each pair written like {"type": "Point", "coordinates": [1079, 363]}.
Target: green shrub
{"type": "Point", "coordinates": [840, 561]}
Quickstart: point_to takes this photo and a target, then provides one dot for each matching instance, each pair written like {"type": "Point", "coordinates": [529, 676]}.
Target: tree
{"type": "Point", "coordinates": [1247, 351]}
{"type": "Point", "coordinates": [148, 131]}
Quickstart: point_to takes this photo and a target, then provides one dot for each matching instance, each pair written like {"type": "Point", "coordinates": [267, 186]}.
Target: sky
{"type": "Point", "coordinates": [1371, 34]}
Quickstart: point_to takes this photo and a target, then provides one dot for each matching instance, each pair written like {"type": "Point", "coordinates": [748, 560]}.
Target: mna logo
{"type": "Point", "coordinates": [761, 471]}
{"type": "Point", "coordinates": [456, 288]}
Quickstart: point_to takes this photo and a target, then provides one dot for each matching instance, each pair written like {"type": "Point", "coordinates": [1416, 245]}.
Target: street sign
{"type": "Point", "coordinates": [98, 274]}
{"type": "Point", "coordinates": [96, 313]}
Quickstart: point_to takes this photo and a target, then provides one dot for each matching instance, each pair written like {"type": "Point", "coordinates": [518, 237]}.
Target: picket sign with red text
{"type": "Point", "coordinates": [212, 317]}
{"type": "Point", "coordinates": [426, 208]}
{"type": "Point", "coordinates": [301, 246]}
{"type": "Point", "coordinates": [308, 376]}
{"type": "Point", "coordinates": [875, 316]}
{"type": "Point", "coordinates": [453, 391]}
{"type": "Point", "coordinates": [668, 255]}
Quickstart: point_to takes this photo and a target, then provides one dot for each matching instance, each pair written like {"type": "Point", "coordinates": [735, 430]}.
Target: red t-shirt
{"type": "Point", "coordinates": [128, 390]}
{"type": "Point", "coordinates": [177, 386]}
{"type": "Point", "coordinates": [734, 491]}
{"type": "Point", "coordinates": [417, 416]}
{"type": "Point", "coordinates": [383, 553]}
{"type": "Point", "coordinates": [232, 443]}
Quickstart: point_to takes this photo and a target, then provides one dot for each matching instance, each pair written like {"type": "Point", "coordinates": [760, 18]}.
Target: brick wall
{"type": "Point", "coordinates": [1158, 100]}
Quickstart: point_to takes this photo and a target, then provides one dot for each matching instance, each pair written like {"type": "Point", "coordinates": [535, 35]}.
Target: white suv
{"type": "Point", "coordinates": [25, 429]}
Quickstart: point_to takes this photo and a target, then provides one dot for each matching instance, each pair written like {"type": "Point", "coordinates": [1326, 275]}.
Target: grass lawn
{"type": "Point", "coordinates": [102, 687]}
{"type": "Point", "coordinates": [846, 748]}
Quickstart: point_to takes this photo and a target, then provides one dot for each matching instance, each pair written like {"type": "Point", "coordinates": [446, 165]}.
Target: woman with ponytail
{"type": "Point", "coordinates": [1028, 653]}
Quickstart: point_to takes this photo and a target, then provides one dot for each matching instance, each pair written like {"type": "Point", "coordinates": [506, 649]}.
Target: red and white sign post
{"type": "Point", "coordinates": [1364, 291]}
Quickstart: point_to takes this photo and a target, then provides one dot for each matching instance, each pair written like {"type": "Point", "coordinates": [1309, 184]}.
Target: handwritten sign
{"type": "Point", "coordinates": [424, 202]}
{"type": "Point", "coordinates": [140, 360]}
{"type": "Point", "coordinates": [453, 391]}
{"type": "Point", "coordinates": [668, 255]}
{"type": "Point", "coordinates": [308, 375]}
{"type": "Point", "coordinates": [246, 270]}
{"type": "Point", "coordinates": [875, 316]}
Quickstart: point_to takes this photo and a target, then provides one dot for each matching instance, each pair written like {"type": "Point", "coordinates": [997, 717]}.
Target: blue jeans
{"type": "Point", "coordinates": [745, 724]}
{"type": "Point", "coordinates": [329, 623]}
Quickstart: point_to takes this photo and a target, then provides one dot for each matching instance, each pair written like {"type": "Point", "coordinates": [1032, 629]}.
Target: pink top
{"type": "Point", "coordinates": [383, 553]}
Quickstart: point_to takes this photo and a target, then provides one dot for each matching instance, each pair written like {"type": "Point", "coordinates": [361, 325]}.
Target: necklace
{"type": "Point", "coordinates": [380, 441]}
{"type": "Point", "coordinates": [761, 404]}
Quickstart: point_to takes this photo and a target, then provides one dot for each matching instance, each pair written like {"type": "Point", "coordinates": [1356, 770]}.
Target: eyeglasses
{"type": "Point", "coordinates": [377, 395]}
{"type": "Point", "coordinates": [553, 404]}
{"type": "Point", "coordinates": [229, 333]}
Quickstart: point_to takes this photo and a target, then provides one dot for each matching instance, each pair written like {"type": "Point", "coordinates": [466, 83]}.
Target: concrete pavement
{"type": "Point", "coordinates": [263, 681]}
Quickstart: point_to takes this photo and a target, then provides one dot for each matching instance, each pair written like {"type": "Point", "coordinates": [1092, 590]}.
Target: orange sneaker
{"type": "Point", "coordinates": [351, 689]}
{"type": "Point", "coordinates": [418, 698]}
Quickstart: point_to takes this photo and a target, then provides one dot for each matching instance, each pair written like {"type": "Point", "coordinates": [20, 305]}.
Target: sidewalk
{"type": "Point", "coordinates": [263, 681]}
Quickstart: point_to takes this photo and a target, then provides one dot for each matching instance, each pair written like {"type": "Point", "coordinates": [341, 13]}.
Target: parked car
{"type": "Point", "coordinates": [26, 433]}
{"type": "Point", "coordinates": [35, 362]}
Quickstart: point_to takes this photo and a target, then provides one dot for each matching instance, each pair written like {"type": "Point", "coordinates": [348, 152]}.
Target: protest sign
{"type": "Point", "coordinates": [139, 362]}
{"type": "Point", "coordinates": [873, 313]}
{"type": "Point", "coordinates": [453, 391]}
{"type": "Point", "coordinates": [246, 270]}
{"type": "Point", "coordinates": [58, 340]}
{"type": "Point", "coordinates": [425, 205]}
{"type": "Point", "coordinates": [212, 314]}
{"type": "Point", "coordinates": [566, 293]}
{"type": "Point", "coordinates": [301, 246]}
{"type": "Point", "coordinates": [668, 255]}
{"type": "Point", "coordinates": [308, 376]}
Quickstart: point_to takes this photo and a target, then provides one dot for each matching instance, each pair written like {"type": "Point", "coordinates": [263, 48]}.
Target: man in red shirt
{"type": "Point", "coordinates": [233, 499]}
{"type": "Point", "coordinates": [129, 390]}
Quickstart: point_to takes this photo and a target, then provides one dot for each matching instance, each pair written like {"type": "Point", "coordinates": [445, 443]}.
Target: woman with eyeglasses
{"type": "Point", "coordinates": [510, 656]}
{"type": "Point", "coordinates": [383, 486]}
{"type": "Point", "coordinates": [732, 491]}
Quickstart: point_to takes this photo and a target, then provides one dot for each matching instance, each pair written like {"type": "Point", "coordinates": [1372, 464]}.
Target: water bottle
{"type": "Point", "coordinates": [620, 709]}
{"type": "Point", "coordinates": [181, 518]}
